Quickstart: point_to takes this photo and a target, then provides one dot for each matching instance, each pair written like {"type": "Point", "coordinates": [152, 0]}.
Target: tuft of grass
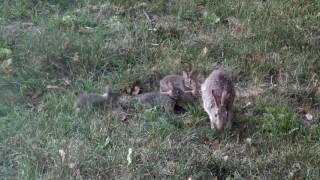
{"type": "Point", "coordinates": [279, 121]}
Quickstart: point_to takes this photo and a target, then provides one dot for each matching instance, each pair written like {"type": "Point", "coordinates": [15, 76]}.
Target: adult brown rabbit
{"type": "Point", "coordinates": [218, 95]}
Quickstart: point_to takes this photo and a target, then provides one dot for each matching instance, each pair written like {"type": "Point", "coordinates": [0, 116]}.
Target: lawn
{"type": "Point", "coordinates": [49, 50]}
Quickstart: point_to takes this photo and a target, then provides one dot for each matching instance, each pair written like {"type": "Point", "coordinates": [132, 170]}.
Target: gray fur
{"type": "Point", "coordinates": [148, 100]}
{"type": "Point", "coordinates": [218, 95]}
{"type": "Point", "coordinates": [89, 99]}
{"type": "Point", "coordinates": [186, 82]}
{"type": "Point", "coordinates": [93, 99]}
{"type": "Point", "coordinates": [154, 99]}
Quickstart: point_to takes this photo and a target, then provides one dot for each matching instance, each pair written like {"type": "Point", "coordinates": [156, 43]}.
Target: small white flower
{"type": "Point", "coordinates": [62, 154]}
{"type": "Point", "coordinates": [225, 158]}
{"type": "Point", "coordinates": [309, 116]}
{"type": "Point", "coordinates": [248, 140]}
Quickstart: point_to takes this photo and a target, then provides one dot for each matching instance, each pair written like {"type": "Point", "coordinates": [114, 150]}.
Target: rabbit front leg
{"type": "Point", "coordinates": [212, 122]}
{"type": "Point", "coordinates": [207, 106]}
{"type": "Point", "coordinates": [212, 119]}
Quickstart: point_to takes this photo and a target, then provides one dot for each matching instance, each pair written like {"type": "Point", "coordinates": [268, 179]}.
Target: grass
{"type": "Point", "coordinates": [76, 45]}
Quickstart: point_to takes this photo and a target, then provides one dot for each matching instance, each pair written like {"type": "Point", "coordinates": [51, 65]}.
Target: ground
{"type": "Point", "coordinates": [49, 50]}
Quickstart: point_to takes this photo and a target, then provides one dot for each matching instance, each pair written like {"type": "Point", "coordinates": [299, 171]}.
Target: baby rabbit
{"type": "Point", "coordinates": [184, 82]}
{"type": "Point", "coordinates": [92, 98]}
{"type": "Point", "coordinates": [173, 92]}
{"type": "Point", "coordinates": [165, 99]}
{"type": "Point", "coordinates": [150, 99]}
{"type": "Point", "coordinates": [218, 95]}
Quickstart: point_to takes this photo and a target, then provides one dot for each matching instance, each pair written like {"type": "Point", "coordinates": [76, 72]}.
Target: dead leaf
{"type": "Point", "coordinates": [235, 26]}
{"type": "Point", "coordinates": [282, 77]}
{"type": "Point", "coordinates": [6, 63]}
{"type": "Point", "coordinates": [238, 138]}
{"type": "Point", "coordinates": [225, 158]}
{"type": "Point", "coordinates": [309, 116]}
{"type": "Point", "coordinates": [66, 43]}
{"type": "Point", "coordinates": [204, 51]}
{"type": "Point", "coordinates": [187, 120]}
{"type": "Point", "coordinates": [273, 56]}
{"type": "Point", "coordinates": [155, 68]}
{"type": "Point", "coordinates": [132, 89]}
{"type": "Point", "coordinates": [36, 106]}
{"type": "Point", "coordinates": [66, 82]}
{"type": "Point", "coordinates": [146, 34]}
{"type": "Point", "coordinates": [248, 104]}
{"type": "Point", "coordinates": [136, 90]}
{"type": "Point", "coordinates": [171, 165]}
{"type": "Point", "coordinates": [71, 165]}
{"type": "Point", "coordinates": [295, 1]}
{"type": "Point", "coordinates": [75, 57]}
{"type": "Point", "coordinates": [52, 87]}
{"type": "Point", "coordinates": [291, 174]}
{"type": "Point", "coordinates": [86, 30]}
{"type": "Point", "coordinates": [253, 150]}
{"type": "Point", "coordinates": [36, 95]}
{"type": "Point", "coordinates": [124, 117]}
{"type": "Point", "coordinates": [284, 48]}
{"type": "Point", "coordinates": [317, 93]}
{"type": "Point", "coordinates": [62, 154]}
{"type": "Point", "coordinates": [189, 178]}
{"type": "Point", "coordinates": [128, 90]}
{"type": "Point", "coordinates": [215, 144]}
{"type": "Point", "coordinates": [258, 57]}
{"type": "Point", "coordinates": [40, 107]}
{"type": "Point", "coordinates": [7, 66]}
{"type": "Point", "coordinates": [34, 146]}
{"type": "Point", "coordinates": [301, 13]}
{"type": "Point", "coordinates": [297, 178]}
{"type": "Point", "coordinates": [26, 25]}
{"type": "Point", "coordinates": [305, 108]}
{"type": "Point", "coordinates": [248, 141]}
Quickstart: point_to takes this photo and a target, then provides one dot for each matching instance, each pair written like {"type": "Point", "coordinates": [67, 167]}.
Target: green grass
{"type": "Point", "coordinates": [76, 45]}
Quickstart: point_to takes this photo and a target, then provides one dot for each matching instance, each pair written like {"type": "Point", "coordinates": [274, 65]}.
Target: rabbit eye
{"type": "Point", "coordinates": [216, 115]}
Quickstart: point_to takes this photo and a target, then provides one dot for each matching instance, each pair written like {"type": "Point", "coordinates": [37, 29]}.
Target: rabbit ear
{"type": "Point", "coordinates": [194, 88]}
{"type": "Point", "coordinates": [224, 97]}
{"type": "Point", "coordinates": [106, 89]}
{"type": "Point", "coordinates": [185, 74]}
{"type": "Point", "coordinates": [217, 99]}
{"type": "Point", "coordinates": [191, 69]}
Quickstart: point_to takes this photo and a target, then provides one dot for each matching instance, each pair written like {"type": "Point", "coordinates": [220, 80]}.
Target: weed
{"type": "Point", "coordinates": [279, 121]}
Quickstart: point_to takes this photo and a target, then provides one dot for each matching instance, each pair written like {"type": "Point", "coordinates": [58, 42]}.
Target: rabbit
{"type": "Point", "coordinates": [190, 96]}
{"type": "Point", "coordinates": [218, 95]}
{"type": "Point", "coordinates": [184, 82]}
{"type": "Point", "coordinates": [83, 100]}
{"type": "Point", "coordinates": [154, 99]}
{"type": "Point", "coordinates": [165, 99]}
